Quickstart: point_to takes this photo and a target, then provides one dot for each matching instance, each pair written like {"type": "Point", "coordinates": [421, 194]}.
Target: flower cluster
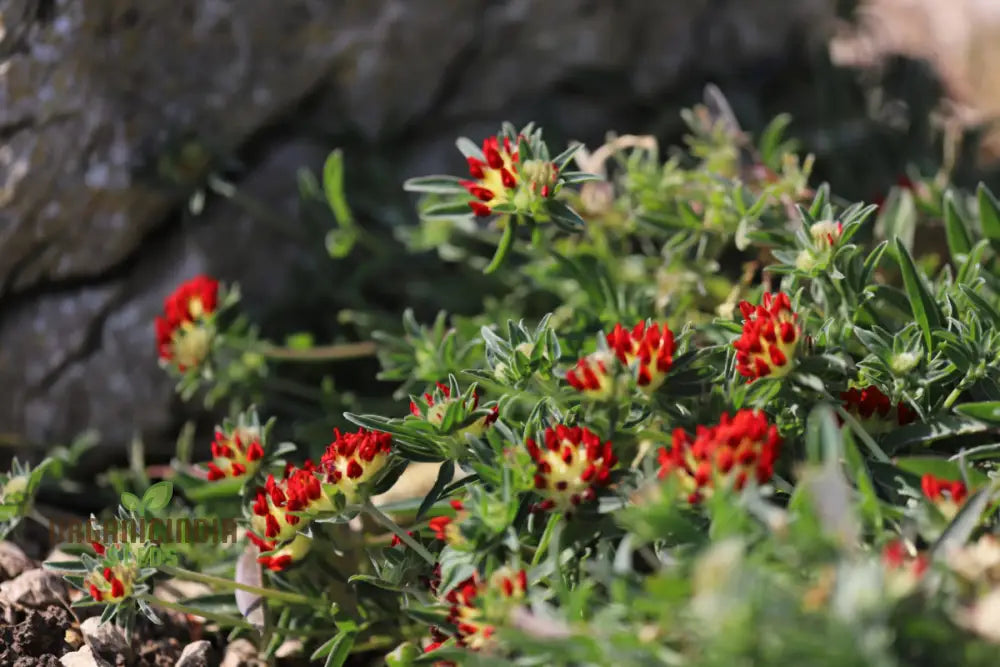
{"type": "Point", "coordinates": [236, 453]}
{"type": "Point", "coordinates": [438, 403]}
{"type": "Point", "coordinates": [500, 177]}
{"type": "Point", "coordinates": [874, 409]}
{"type": "Point", "coordinates": [468, 613]}
{"type": "Point", "coordinates": [769, 340]}
{"type": "Point", "coordinates": [185, 332]}
{"type": "Point", "coordinates": [445, 527]}
{"type": "Point", "coordinates": [823, 236]}
{"type": "Point", "coordinates": [732, 452]}
{"type": "Point", "coordinates": [948, 496]}
{"type": "Point", "coordinates": [571, 464]}
{"type": "Point", "coordinates": [903, 570]}
{"type": "Point", "coordinates": [284, 507]}
{"type": "Point", "coordinates": [649, 348]}
{"type": "Point", "coordinates": [110, 585]}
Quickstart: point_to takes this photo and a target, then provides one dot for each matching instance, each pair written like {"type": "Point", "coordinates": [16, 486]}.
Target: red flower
{"type": "Point", "coordinates": [437, 408]}
{"type": "Point", "coordinates": [183, 333]}
{"type": "Point", "coordinates": [495, 178]}
{"type": "Point", "coordinates": [590, 376]}
{"type": "Point", "coordinates": [500, 176]}
{"type": "Point", "coordinates": [734, 450]}
{"type": "Point", "coordinates": [903, 571]}
{"type": "Point", "coordinates": [110, 584]}
{"type": "Point", "coordinates": [235, 454]}
{"type": "Point", "coordinates": [874, 409]}
{"type": "Point", "coordinates": [948, 496]}
{"type": "Point", "coordinates": [286, 555]}
{"type": "Point", "coordinates": [466, 611]}
{"type": "Point", "coordinates": [571, 464]}
{"type": "Point", "coordinates": [355, 458]}
{"type": "Point", "coordinates": [650, 347]}
{"type": "Point", "coordinates": [770, 337]}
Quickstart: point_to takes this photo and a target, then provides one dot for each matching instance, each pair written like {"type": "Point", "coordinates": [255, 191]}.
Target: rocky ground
{"type": "Point", "coordinates": [39, 628]}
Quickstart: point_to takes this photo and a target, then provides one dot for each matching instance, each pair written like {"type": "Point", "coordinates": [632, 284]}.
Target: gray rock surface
{"type": "Point", "coordinates": [197, 654]}
{"type": "Point", "coordinates": [36, 588]}
{"type": "Point", "coordinates": [96, 98]}
{"type": "Point", "coordinates": [107, 640]}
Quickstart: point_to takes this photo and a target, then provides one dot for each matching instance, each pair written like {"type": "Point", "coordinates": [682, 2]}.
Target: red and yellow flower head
{"type": "Point", "coordinates": [770, 338]}
{"type": "Point", "coordinates": [474, 602]}
{"type": "Point", "coordinates": [185, 331]}
{"type": "Point", "coordinates": [947, 495]}
{"type": "Point", "coordinates": [500, 177]}
{"type": "Point", "coordinates": [110, 584]}
{"type": "Point", "coordinates": [735, 450]}
{"type": "Point", "coordinates": [874, 409]}
{"type": "Point", "coordinates": [592, 376]}
{"type": "Point", "coordinates": [903, 570]}
{"type": "Point", "coordinates": [290, 552]}
{"type": "Point", "coordinates": [649, 347]}
{"type": "Point", "coordinates": [236, 453]}
{"type": "Point", "coordinates": [441, 399]}
{"type": "Point", "coordinates": [353, 459]}
{"type": "Point", "coordinates": [571, 464]}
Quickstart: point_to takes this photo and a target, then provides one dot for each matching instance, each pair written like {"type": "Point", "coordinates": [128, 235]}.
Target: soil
{"type": "Point", "coordinates": [35, 638]}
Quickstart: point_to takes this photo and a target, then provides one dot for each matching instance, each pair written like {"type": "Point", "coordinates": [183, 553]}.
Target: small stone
{"type": "Point", "coordinates": [106, 639]}
{"type": "Point", "coordinates": [83, 658]}
{"type": "Point", "coordinates": [13, 561]}
{"type": "Point", "coordinates": [242, 653]}
{"type": "Point", "coordinates": [196, 654]}
{"type": "Point", "coordinates": [290, 648]}
{"type": "Point", "coordinates": [35, 588]}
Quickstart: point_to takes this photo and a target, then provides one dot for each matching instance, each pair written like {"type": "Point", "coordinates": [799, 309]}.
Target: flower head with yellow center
{"type": "Point", "coordinates": [649, 347]}
{"type": "Point", "coordinates": [947, 496]}
{"type": "Point", "coordinates": [875, 411]}
{"type": "Point", "coordinates": [440, 400]}
{"type": "Point", "coordinates": [475, 603]}
{"type": "Point", "coordinates": [291, 552]}
{"type": "Point", "coordinates": [903, 569]}
{"type": "Point", "coordinates": [185, 332]}
{"type": "Point", "coordinates": [732, 452]}
{"type": "Point", "coordinates": [236, 453]}
{"type": "Point", "coordinates": [354, 459]}
{"type": "Point", "coordinates": [110, 584]}
{"type": "Point", "coordinates": [770, 338]}
{"type": "Point", "coordinates": [823, 237]}
{"type": "Point", "coordinates": [571, 464]}
{"type": "Point", "coordinates": [593, 376]}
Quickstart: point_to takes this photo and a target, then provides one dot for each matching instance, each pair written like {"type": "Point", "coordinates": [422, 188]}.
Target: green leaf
{"type": "Point", "coordinates": [469, 148]}
{"type": "Point", "coordinates": [988, 411]}
{"type": "Point", "coordinates": [445, 474]}
{"type": "Point", "coordinates": [925, 309]}
{"type": "Point", "coordinates": [130, 501]}
{"type": "Point", "coordinates": [447, 210]}
{"type": "Point", "coordinates": [333, 188]}
{"type": "Point", "coordinates": [939, 467]}
{"type": "Point", "coordinates": [965, 522]}
{"type": "Point", "coordinates": [506, 243]}
{"type": "Point", "coordinates": [561, 160]}
{"type": "Point", "coordinates": [442, 185]}
{"type": "Point", "coordinates": [823, 440]}
{"type": "Point", "coordinates": [564, 216]}
{"type": "Point", "coordinates": [989, 214]}
{"type": "Point", "coordinates": [158, 496]}
{"type": "Point", "coordinates": [956, 229]}
{"type": "Point", "coordinates": [573, 177]}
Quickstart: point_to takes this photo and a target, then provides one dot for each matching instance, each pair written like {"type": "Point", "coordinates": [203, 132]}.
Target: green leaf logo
{"type": "Point", "coordinates": [158, 496]}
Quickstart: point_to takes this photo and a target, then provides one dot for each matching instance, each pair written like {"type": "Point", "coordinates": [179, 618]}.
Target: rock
{"type": "Point", "coordinates": [13, 561]}
{"type": "Point", "coordinates": [197, 654]}
{"type": "Point", "coordinates": [106, 639]}
{"type": "Point", "coordinates": [113, 112]}
{"type": "Point", "coordinates": [35, 588]}
{"type": "Point", "coordinates": [83, 658]}
{"type": "Point", "coordinates": [241, 653]}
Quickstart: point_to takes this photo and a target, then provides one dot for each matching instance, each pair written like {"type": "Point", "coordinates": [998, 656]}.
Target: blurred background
{"type": "Point", "coordinates": [145, 141]}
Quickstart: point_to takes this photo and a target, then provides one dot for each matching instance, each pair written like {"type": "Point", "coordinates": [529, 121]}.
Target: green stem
{"type": "Point", "coordinates": [380, 518]}
{"type": "Point", "coordinates": [219, 582]}
{"type": "Point", "coordinates": [322, 353]}
{"type": "Point", "coordinates": [863, 434]}
{"type": "Point", "coordinates": [543, 544]}
{"type": "Point", "coordinates": [506, 241]}
{"type": "Point", "coordinates": [224, 619]}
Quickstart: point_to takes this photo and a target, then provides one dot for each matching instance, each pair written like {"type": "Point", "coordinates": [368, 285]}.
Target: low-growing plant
{"type": "Point", "coordinates": [718, 416]}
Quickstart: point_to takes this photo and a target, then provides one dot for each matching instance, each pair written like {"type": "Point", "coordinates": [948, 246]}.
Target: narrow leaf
{"type": "Point", "coordinates": [925, 309]}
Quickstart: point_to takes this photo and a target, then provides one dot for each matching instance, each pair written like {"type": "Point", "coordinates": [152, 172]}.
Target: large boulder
{"type": "Point", "coordinates": [97, 97]}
